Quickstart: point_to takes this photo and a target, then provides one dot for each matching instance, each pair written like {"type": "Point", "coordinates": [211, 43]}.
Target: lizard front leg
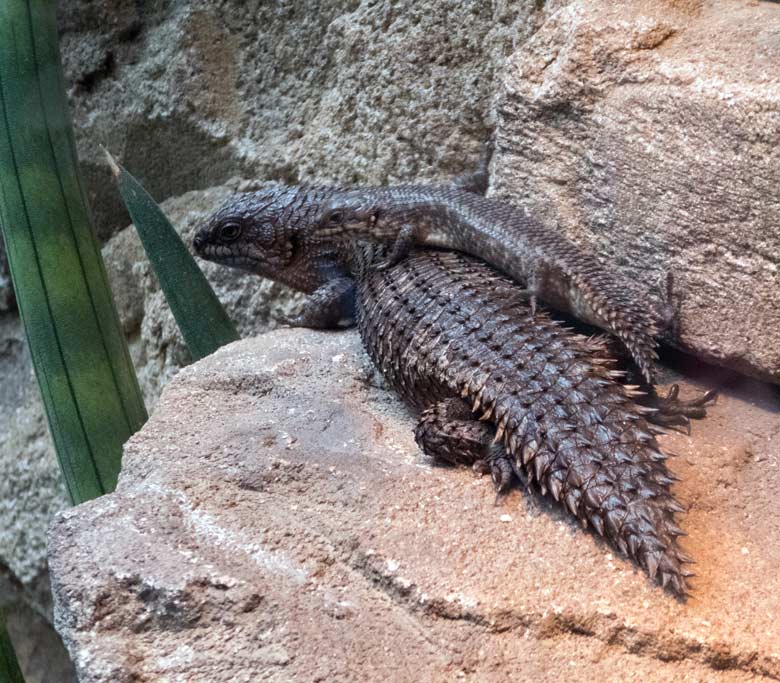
{"type": "Point", "coordinates": [330, 306]}
{"type": "Point", "coordinates": [449, 432]}
{"type": "Point", "coordinates": [403, 244]}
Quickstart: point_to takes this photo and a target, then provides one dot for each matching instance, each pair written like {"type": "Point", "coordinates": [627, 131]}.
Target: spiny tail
{"type": "Point", "coordinates": [562, 413]}
{"type": "Point", "coordinates": [441, 324]}
{"type": "Point", "coordinates": [617, 308]}
{"type": "Point", "coordinates": [584, 440]}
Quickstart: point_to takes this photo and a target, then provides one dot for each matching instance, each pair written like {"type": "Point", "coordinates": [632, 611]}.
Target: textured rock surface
{"type": "Point", "coordinates": [274, 519]}
{"type": "Point", "coordinates": [190, 94]}
{"type": "Point", "coordinates": [650, 131]}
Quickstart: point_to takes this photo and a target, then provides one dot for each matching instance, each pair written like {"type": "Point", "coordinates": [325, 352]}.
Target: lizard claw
{"type": "Point", "coordinates": [501, 472]}
{"type": "Point", "coordinates": [673, 411]}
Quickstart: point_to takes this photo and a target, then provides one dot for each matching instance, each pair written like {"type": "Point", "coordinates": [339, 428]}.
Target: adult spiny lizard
{"type": "Point", "coordinates": [328, 220]}
{"type": "Point", "coordinates": [496, 384]}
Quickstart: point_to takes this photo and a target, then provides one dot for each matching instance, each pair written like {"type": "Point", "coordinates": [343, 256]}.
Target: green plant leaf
{"type": "Point", "coordinates": [10, 672]}
{"type": "Point", "coordinates": [203, 322]}
{"type": "Point", "coordinates": [89, 388]}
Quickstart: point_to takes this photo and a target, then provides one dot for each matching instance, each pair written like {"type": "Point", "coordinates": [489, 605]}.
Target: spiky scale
{"type": "Point", "coordinates": [553, 269]}
{"type": "Point", "coordinates": [529, 451]}
{"type": "Point", "coordinates": [651, 562]}
{"type": "Point", "coordinates": [555, 488]}
{"type": "Point", "coordinates": [562, 418]}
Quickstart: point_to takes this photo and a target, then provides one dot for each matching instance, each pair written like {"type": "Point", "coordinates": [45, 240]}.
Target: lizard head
{"type": "Point", "coordinates": [264, 232]}
{"type": "Point", "coordinates": [247, 233]}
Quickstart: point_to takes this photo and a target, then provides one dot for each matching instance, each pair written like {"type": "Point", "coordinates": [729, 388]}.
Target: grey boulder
{"type": "Point", "coordinates": [649, 132]}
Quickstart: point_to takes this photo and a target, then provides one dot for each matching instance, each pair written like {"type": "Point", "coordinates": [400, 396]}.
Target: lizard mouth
{"type": "Point", "coordinates": [227, 256]}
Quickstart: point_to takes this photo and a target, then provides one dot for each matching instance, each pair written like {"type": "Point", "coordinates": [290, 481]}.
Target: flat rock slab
{"type": "Point", "coordinates": [275, 521]}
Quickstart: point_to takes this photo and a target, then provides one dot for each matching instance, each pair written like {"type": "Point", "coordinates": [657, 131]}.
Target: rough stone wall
{"type": "Point", "coordinates": [651, 133]}
{"type": "Point", "coordinates": [190, 94]}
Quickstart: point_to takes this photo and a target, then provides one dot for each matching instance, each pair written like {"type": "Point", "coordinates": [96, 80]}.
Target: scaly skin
{"type": "Point", "coordinates": [496, 384]}
{"type": "Point", "coordinates": [305, 231]}
{"type": "Point", "coordinates": [552, 268]}
{"type": "Point", "coordinates": [525, 395]}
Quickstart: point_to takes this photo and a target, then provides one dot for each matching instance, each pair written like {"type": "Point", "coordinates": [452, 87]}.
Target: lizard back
{"type": "Point", "coordinates": [441, 324]}
{"type": "Point", "coordinates": [563, 275]}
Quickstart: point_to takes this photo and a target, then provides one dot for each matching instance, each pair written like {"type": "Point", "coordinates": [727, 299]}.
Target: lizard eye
{"type": "Point", "coordinates": [335, 217]}
{"type": "Point", "coordinates": [229, 232]}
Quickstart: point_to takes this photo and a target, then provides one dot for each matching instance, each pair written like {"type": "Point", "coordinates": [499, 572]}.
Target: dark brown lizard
{"type": "Point", "coordinates": [498, 385]}
{"type": "Point", "coordinates": [552, 268]}
{"type": "Point", "coordinates": [526, 396]}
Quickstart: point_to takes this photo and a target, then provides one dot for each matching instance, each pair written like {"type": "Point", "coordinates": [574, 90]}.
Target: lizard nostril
{"type": "Point", "coordinates": [197, 243]}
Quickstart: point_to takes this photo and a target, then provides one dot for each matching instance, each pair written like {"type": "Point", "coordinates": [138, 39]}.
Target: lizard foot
{"type": "Point", "coordinates": [330, 306]}
{"type": "Point", "coordinates": [501, 472]}
{"type": "Point", "coordinates": [448, 432]}
{"type": "Point", "coordinates": [673, 411]}
{"type": "Point", "coordinates": [400, 249]}
{"type": "Point", "coordinates": [498, 463]}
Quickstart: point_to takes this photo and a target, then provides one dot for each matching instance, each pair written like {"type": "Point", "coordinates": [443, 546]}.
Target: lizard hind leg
{"type": "Point", "coordinates": [449, 432]}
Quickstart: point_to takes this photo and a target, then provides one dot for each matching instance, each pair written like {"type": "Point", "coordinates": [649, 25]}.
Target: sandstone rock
{"type": "Point", "coordinates": [648, 131]}
{"type": "Point", "coordinates": [275, 520]}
